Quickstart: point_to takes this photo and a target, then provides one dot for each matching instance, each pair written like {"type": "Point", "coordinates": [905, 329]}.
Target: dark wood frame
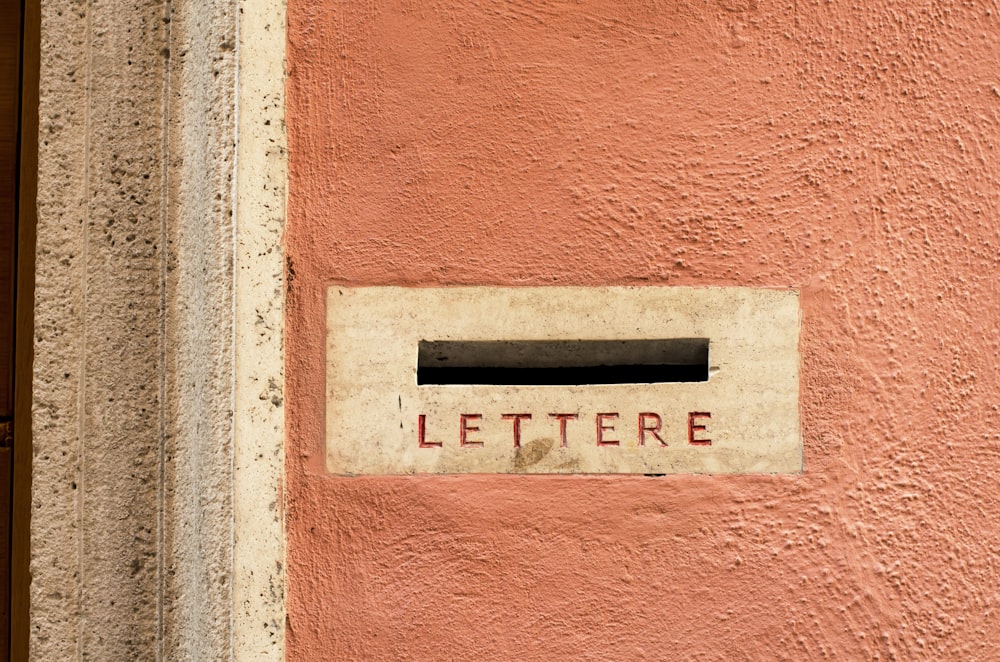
{"type": "Point", "coordinates": [24, 332]}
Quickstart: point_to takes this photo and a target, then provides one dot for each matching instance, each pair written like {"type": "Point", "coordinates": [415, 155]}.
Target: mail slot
{"type": "Point", "coordinates": [614, 380]}
{"type": "Point", "coordinates": [562, 362]}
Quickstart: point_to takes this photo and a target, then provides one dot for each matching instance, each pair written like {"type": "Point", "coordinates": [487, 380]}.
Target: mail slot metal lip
{"type": "Point", "coordinates": [631, 376]}
{"type": "Point", "coordinates": [373, 400]}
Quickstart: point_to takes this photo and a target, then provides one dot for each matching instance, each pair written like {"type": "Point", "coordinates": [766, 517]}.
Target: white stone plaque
{"type": "Point", "coordinates": [559, 380]}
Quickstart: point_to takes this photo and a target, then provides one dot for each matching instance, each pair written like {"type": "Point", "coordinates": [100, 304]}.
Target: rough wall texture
{"type": "Point", "coordinates": [197, 302]}
{"type": "Point", "coordinates": [131, 502]}
{"type": "Point", "coordinates": [850, 151]}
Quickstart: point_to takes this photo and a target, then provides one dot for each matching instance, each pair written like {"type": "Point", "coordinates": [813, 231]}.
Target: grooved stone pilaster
{"type": "Point", "coordinates": [131, 503]}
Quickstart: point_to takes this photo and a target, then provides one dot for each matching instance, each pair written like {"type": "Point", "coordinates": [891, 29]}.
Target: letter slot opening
{"type": "Point", "coordinates": [561, 362]}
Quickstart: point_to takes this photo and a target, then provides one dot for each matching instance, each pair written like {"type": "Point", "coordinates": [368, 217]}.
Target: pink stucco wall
{"type": "Point", "coordinates": [847, 150]}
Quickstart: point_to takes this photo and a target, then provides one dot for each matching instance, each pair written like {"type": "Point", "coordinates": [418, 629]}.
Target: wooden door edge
{"type": "Point", "coordinates": [24, 334]}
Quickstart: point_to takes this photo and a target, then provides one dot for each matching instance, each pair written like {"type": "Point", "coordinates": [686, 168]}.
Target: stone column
{"type": "Point", "coordinates": [137, 398]}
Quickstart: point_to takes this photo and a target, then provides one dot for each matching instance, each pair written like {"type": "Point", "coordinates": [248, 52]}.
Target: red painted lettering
{"type": "Point", "coordinates": [653, 429]}
{"type": "Point", "coordinates": [465, 429]}
{"type": "Point", "coordinates": [692, 428]}
{"type": "Point", "coordinates": [517, 418]}
{"type": "Point", "coordinates": [602, 428]}
{"type": "Point", "coordinates": [562, 425]}
{"type": "Point", "coordinates": [422, 434]}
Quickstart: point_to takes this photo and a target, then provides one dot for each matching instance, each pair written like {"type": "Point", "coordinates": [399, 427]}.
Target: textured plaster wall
{"type": "Point", "coordinates": [847, 150]}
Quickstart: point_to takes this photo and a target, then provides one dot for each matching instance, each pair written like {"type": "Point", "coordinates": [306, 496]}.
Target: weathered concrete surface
{"type": "Point", "coordinates": [850, 150]}
{"type": "Point", "coordinates": [98, 423]}
{"type": "Point", "coordinates": [196, 299]}
{"type": "Point", "coordinates": [133, 493]}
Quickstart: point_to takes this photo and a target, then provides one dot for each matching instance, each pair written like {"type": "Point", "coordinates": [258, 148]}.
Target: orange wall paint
{"type": "Point", "coordinates": [849, 152]}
